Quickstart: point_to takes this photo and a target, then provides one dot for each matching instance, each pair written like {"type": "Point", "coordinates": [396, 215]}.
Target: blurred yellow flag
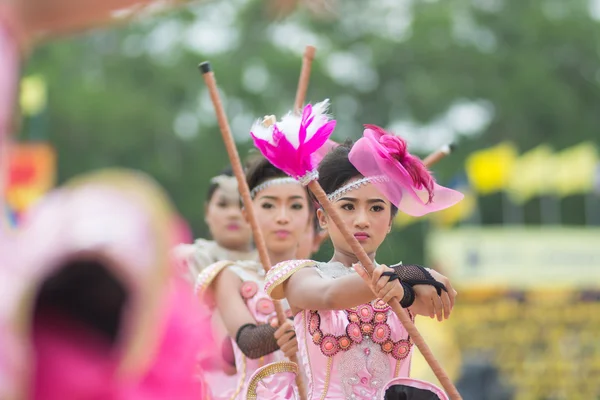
{"type": "Point", "coordinates": [489, 170]}
{"type": "Point", "coordinates": [403, 220]}
{"type": "Point", "coordinates": [442, 339]}
{"type": "Point", "coordinates": [576, 169]}
{"type": "Point", "coordinates": [458, 212]}
{"type": "Point", "coordinates": [33, 95]}
{"type": "Point", "coordinates": [533, 174]}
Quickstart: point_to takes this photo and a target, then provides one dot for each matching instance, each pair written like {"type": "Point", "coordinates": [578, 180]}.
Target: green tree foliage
{"type": "Point", "coordinates": [480, 71]}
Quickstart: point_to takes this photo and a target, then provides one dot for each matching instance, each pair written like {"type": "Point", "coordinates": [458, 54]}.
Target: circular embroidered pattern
{"type": "Point", "coordinates": [248, 289]}
{"type": "Point", "coordinates": [344, 342]}
{"type": "Point", "coordinates": [265, 306]}
{"type": "Point", "coordinates": [329, 346]}
{"type": "Point", "coordinates": [367, 329]}
{"type": "Point", "coordinates": [317, 337]}
{"type": "Point", "coordinates": [354, 333]}
{"type": "Point", "coordinates": [380, 317]}
{"type": "Point", "coordinates": [380, 305]}
{"type": "Point", "coordinates": [401, 349]}
{"type": "Point", "coordinates": [387, 347]}
{"type": "Point", "coordinates": [381, 333]}
{"type": "Point", "coordinates": [365, 312]}
{"type": "Point", "coordinates": [313, 323]}
{"type": "Point", "coordinates": [352, 317]}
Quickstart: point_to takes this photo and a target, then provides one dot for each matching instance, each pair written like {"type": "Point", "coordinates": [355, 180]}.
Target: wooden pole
{"type": "Point", "coordinates": [436, 156]}
{"type": "Point", "coordinates": [307, 59]}
{"type": "Point", "coordinates": [236, 164]}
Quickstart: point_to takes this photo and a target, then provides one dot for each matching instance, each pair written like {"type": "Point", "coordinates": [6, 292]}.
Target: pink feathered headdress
{"type": "Point", "coordinates": [292, 143]}
{"type": "Point", "coordinates": [403, 178]}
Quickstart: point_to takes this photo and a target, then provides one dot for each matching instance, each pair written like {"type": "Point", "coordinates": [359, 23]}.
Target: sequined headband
{"type": "Point", "coordinates": [355, 185]}
{"type": "Point", "coordinates": [269, 183]}
{"type": "Point", "coordinates": [228, 186]}
{"type": "Point", "coordinates": [229, 182]}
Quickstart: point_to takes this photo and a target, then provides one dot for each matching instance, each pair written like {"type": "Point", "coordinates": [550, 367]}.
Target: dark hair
{"type": "Point", "coordinates": [261, 170]}
{"type": "Point", "coordinates": [212, 188]}
{"type": "Point", "coordinates": [335, 170]}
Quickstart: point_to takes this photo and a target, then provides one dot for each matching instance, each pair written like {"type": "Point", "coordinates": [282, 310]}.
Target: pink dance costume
{"type": "Point", "coordinates": [262, 309]}
{"type": "Point", "coordinates": [348, 354]}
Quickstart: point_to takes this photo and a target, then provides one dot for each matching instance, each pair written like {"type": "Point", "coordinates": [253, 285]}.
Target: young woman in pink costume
{"type": "Point", "coordinates": [351, 344]}
{"type": "Point", "coordinates": [284, 213]}
{"type": "Point", "coordinates": [231, 234]}
{"type": "Point", "coordinates": [94, 308]}
{"type": "Point", "coordinates": [231, 240]}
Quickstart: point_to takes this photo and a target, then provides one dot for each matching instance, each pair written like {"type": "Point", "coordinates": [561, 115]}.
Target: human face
{"type": "Point", "coordinates": [226, 223]}
{"type": "Point", "coordinates": [282, 213]}
{"type": "Point", "coordinates": [368, 216]}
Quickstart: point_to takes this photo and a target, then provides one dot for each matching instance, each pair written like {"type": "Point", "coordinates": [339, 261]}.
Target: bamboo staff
{"type": "Point", "coordinates": [307, 59]}
{"type": "Point", "coordinates": [236, 164]}
{"type": "Point", "coordinates": [436, 156]}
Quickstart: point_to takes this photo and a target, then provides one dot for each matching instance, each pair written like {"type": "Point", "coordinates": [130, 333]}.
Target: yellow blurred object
{"type": "Point", "coordinates": [544, 345]}
{"type": "Point", "coordinates": [458, 212]}
{"type": "Point", "coordinates": [533, 174]}
{"type": "Point", "coordinates": [576, 169]}
{"type": "Point", "coordinates": [33, 95]}
{"type": "Point", "coordinates": [23, 198]}
{"type": "Point", "coordinates": [490, 170]}
{"type": "Point", "coordinates": [441, 341]}
{"type": "Point", "coordinates": [403, 220]}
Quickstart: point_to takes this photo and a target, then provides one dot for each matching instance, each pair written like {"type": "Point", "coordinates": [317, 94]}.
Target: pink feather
{"type": "Point", "coordinates": [296, 161]}
{"type": "Point", "coordinates": [71, 358]}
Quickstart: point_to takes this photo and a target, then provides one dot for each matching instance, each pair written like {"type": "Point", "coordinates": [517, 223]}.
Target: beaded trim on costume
{"type": "Point", "coordinates": [282, 271]}
{"type": "Point", "coordinates": [271, 369]}
{"type": "Point", "coordinates": [206, 277]}
{"type": "Point", "coordinates": [269, 183]}
{"type": "Point", "coordinates": [355, 185]}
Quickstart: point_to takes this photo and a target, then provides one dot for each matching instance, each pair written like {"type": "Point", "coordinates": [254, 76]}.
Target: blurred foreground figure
{"type": "Point", "coordinates": [92, 307]}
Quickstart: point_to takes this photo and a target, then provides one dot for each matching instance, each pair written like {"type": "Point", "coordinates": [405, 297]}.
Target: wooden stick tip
{"type": "Point", "coordinates": [309, 52]}
{"type": "Point", "coordinates": [205, 67]}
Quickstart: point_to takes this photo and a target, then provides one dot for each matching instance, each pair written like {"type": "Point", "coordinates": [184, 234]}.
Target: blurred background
{"type": "Point", "coordinates": [515, 84]}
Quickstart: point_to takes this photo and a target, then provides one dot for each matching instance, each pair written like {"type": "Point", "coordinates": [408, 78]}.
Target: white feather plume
{"type": "Point", "coordinates": [290, 125]}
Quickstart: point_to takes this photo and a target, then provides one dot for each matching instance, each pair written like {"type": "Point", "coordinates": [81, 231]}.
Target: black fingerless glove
{"type": "Point", "coordinates": [409, 293]}
{"type": "Point", "coordinates": [413, 275]}
{"type": "Point", "coordinates": [256, 341]}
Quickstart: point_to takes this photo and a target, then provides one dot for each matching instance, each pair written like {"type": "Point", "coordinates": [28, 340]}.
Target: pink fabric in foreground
{"type": "Point", "coordinates": [70, 358]}
{"type": "Point", "coordinates": [379, 154]}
